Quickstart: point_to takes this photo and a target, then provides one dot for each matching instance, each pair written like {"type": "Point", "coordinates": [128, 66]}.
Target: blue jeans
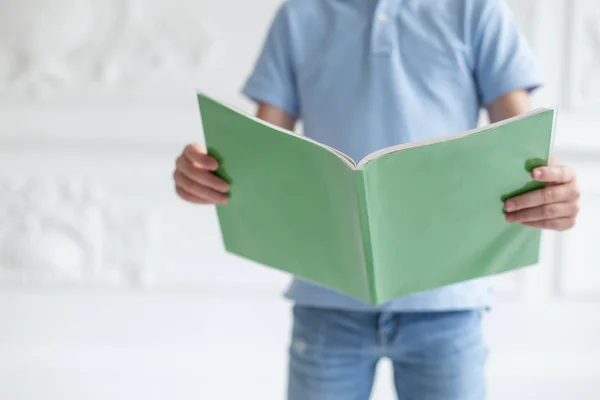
{"type": "Point", "coordinates": [435, 355]}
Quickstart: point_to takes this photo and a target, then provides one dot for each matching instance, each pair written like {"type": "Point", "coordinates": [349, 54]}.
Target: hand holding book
{"type": "Point", "coordinates": [195, 180]}
{"type": "Point", "coordinates": [553, 207]}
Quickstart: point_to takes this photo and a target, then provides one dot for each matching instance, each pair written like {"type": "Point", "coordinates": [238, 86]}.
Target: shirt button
{"type": "Point", "coordinates": [384, 19]}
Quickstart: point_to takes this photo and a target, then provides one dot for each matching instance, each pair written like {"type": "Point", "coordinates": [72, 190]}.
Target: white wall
{"type": "Point", "coordinates": [111, 288]}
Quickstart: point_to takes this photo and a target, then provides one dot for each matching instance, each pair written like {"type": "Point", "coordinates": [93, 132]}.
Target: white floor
{"type": "Point", "coordinates": [158, 346]}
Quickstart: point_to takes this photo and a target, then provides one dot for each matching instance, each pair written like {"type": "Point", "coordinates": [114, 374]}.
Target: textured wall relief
{"type": "Point", "coordinates": [525, 12]}
{"type": "Point", "coordinates": [584, 83]}
{"type": "Point", "coordinates": [71, 232]}
{"type": "Point", "coordinates": [62, 45]}
{"type": "Point", "coordinates": [589, 84]}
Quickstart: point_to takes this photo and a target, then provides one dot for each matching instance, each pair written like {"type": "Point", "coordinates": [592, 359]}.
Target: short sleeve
{"type": "Point", "coordinates": [273, 80]}
{"type": "Point", "coordinates": [503, 60]}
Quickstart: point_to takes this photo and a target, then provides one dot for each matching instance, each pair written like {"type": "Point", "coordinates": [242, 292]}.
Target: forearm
{"type": "Point", "coordinates": [276, 116]}
{"type": "Point", "coordinates": [509, 105]}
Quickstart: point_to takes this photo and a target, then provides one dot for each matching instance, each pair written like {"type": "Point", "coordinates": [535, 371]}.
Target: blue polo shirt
{"type": "Point", "coordinates": [366, 74]}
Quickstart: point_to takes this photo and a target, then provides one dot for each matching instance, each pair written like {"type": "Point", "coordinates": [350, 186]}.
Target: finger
{"type": "Point", "coordinates": [559, 224]}
{"type": "Point", "coordinates": [185, 195]}
{"type": "Point", "coordinates": [545, 212]}
{"type": "Point", "coordinates": [196, 153]}
{"type": "Point", "coordinates": [201, 176]}
{"type": "Point", "coordinates": [207, 194]}
{"type": "Point", "coordinates": [547, 195]}
{"type": "Point", "coordinates": [553, 174]}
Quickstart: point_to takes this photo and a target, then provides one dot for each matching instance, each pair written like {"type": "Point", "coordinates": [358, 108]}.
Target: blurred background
{"type": "Point", "coordinates": [111, 288]}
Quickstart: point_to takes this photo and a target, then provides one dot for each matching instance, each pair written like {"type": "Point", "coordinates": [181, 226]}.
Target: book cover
{"type": "Point", "coordinates": [404, 219]}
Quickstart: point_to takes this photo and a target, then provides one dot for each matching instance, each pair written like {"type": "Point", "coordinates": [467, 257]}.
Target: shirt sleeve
{"type": "Point", "coordinates": [503, 60]}
{"type": "Point", "coordinates": [273, 80]}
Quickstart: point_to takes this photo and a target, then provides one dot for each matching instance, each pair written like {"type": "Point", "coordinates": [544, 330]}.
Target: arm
{"type": "Point", "coordinates": [272, 86]}
{"type": "Point", "coordinates": [509, 105]}
{"type": "Point", "coordinates": [554, 207]}
{"type": "Point", "coordinates": [506, 71]}
{"type": "Point", "coordinates": [276, 116]}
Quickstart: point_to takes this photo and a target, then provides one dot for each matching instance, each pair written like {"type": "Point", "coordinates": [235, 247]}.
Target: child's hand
{"type": "Point", "coordinates": [194, 178]}
{"type": "Point", "coordinates": [554, 207]}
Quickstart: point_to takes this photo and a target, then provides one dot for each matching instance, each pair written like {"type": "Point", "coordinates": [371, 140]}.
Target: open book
{"type": "Point", "coordinates": [404, 219]}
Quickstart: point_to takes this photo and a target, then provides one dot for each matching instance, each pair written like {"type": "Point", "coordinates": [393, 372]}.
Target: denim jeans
{"type": "Point", "coordinates": [435, 355]}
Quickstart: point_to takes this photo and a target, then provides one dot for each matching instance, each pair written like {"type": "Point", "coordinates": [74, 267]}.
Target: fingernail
{"type": "Point", "coordinates": [510, 218]}
{"type": "Point", "coordinates": [509, 205]}
{"type": "Point", "coordinates": [537, 174]}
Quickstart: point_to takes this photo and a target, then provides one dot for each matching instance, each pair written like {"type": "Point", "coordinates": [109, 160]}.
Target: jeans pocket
{"type": "Point", "coordinates": [308, 329]}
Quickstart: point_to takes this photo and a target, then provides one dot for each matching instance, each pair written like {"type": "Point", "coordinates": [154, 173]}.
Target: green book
{"type": "Point", "coordinates": [404, 219]}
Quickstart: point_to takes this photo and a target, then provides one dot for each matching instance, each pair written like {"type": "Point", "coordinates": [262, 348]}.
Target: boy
{"type": "Point", "coordinates": [366, 74]}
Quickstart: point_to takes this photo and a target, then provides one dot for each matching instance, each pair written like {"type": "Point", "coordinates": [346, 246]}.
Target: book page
{"type": "Point", "coordinates": [404, 146]}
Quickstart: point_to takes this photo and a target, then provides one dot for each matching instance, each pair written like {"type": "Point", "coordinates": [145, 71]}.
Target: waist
{"type": "Point", "coordinates": [473, 294]}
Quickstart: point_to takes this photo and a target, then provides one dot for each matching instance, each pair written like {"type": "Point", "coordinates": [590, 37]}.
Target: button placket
{"type": "Point", "coordinates": [383, 18]}
{"type": "Point", "coordinates": [383, 29]}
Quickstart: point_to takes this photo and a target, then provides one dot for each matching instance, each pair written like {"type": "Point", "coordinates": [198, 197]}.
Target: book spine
{"type": "Point", "coordinates": [361, 191]}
